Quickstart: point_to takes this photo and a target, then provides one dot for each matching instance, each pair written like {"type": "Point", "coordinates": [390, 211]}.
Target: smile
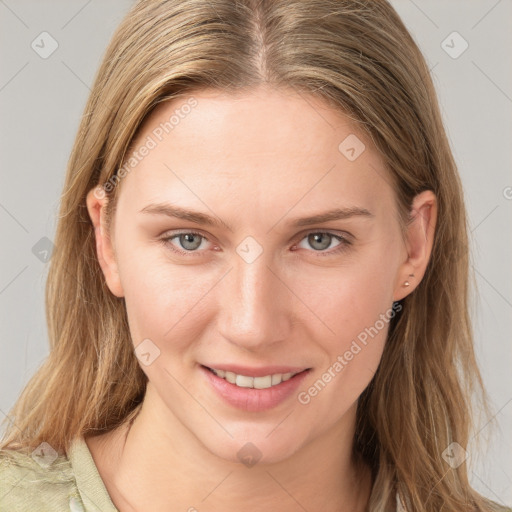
{"type": "Point", "coordinates": [243, 381]}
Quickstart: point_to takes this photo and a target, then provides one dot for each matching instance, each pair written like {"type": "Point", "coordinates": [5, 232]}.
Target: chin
{"type": "Point", "coordinates": [254, 446]}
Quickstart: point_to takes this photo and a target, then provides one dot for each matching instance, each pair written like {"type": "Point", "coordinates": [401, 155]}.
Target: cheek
{"type": "Point", "coordinates": [358, 315]}
{"type": "Point", "coordinates": [163, 299]}
{"type": "Point", "coordinates": [349, 297]}
{"type": "Point", "coordinates": [356, 305]}
{"type": "Point", "coordinates": [352, 354]}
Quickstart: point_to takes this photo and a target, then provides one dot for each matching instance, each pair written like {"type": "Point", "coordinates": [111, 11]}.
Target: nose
{"type": "Point", "coordinates": [254, 306]}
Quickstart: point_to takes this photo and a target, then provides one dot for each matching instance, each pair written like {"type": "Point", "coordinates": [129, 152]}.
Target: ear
{"type": "Point", "coordinates": [419, 242]}
{"type": "Point", "coordinates": [96, 203]}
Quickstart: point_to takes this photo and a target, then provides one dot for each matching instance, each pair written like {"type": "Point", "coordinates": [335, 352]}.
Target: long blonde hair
{"type": "Point", "coordinates": [359, 57]}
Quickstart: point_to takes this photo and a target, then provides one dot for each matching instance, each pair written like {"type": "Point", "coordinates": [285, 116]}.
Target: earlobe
{"type": "Point", "coordinates": [96, 204]}
{"type": "Point", "coordinates": [420, 240]}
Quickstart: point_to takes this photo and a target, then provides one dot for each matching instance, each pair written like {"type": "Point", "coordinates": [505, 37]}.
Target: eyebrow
{"type": "Point", "coordinates": [202, 218]}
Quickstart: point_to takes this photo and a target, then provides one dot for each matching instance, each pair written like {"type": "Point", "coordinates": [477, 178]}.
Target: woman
{"type": "Point", "coordinates": [258, 296]}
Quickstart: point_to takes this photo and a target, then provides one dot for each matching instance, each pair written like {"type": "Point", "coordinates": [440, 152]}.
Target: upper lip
{"type": "Point", "coordinates": [256, 372]}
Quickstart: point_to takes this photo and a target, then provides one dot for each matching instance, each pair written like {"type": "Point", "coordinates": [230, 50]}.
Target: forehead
{"type": "Point", "coordinates": [256, 148]}
{"type": "Point", "coordinates": [262, 120]}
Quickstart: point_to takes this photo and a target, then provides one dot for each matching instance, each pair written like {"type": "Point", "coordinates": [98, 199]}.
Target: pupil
{"type": "Point", "coordinates": [188, 239]}
{"type": "Point", "coordinates": [317, 237]}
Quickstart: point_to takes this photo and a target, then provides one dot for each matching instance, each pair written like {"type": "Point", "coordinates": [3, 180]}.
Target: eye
{"type": "Point", "coordinates": [320, 241]}
{"type": "Point", "coordinates": [188, 243]}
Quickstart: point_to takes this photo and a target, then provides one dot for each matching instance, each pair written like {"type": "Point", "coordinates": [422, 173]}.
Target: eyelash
{"type": "Point", "coordinates": [345, 243]}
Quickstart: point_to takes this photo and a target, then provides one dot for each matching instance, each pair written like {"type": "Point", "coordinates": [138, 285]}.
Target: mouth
{"type": "Point", "coordinates": [254, 382]}
{"type": "Point", "coordinates": [262, 390]}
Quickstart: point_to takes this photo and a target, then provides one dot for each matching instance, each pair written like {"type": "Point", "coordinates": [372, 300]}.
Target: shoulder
{"type": "Point", "coordinates": [37, 481]}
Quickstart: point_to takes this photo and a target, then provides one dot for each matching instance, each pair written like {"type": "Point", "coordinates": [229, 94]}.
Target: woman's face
{"type": "Point", "coordinates": [255, 290]}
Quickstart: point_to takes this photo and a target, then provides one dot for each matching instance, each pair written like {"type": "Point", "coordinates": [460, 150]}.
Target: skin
{"type": "Point", "coordinates": [255, 161]}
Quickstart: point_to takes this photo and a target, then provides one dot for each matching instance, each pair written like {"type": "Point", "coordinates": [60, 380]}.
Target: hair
{"type": "Point", "coordinates": [357, 56]}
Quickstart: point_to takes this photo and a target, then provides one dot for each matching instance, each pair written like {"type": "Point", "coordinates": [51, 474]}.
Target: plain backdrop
{"type": "Point", "coordinates": [467, 46]}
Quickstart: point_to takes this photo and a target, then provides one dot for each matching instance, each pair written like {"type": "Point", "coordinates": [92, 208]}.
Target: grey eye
{"type": "Point", "coordinates": [320, 241]}
{"type": "Point", "coordinates": [186, 241]}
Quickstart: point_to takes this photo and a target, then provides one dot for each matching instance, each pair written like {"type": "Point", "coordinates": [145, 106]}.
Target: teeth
{"type": "Point", "coordinates": [262, 382]}
{"type": "Point", "coordinates": [253, 382]}
{"type": "Point", "coordinates": [244, 382]}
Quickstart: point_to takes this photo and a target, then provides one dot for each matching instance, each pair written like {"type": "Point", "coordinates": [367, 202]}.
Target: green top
{"type": "Point", "coordinates": [46, 482]}
{"type": "Point", "coordinates": [43, 482]}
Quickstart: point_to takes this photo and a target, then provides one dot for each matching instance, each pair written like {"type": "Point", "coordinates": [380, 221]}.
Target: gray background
{"type": "Point", "coordinates": [41, 101]}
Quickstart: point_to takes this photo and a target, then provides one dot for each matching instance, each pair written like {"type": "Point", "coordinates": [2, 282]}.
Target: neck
{"type": "Point", "coordinates": [154, 465]}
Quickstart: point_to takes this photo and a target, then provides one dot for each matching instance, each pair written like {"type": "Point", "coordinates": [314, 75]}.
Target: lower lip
{"type": "Point", "coordinates": [250, 399]}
